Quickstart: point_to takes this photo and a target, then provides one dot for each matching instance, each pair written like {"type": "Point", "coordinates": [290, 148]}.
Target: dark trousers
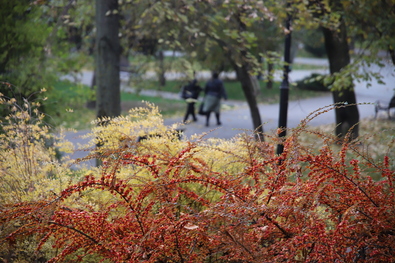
{"type": "Point", "coordinates": [190, 111]}
{"type": "Point", "coordinates": [217, 116]}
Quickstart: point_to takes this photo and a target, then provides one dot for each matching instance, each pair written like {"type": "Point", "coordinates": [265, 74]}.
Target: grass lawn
{"type": "Point", "coordinates": [67, 105]}
{"type": "Point", "coordinates": [168, 107]}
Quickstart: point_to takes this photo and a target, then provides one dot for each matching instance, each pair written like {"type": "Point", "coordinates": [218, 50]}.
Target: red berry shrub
{"type": "Point", "coordinates": [163, 200]}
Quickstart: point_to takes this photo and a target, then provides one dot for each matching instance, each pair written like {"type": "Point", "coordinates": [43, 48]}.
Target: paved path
{"type": "Point", "coordinates": [238, 119]}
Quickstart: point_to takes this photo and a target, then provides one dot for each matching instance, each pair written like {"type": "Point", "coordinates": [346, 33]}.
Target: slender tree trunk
{"type": "Point", "coordinates": [269, 78]}
{"type": "Point", "coordinates": [392, 54]}
{"type": "Point", "coordinates": [249, 91]}
{"type": "Point", "coordinates": [162, 70]}
{"type": "Point", "coordinates": [338, 54]}
{"type": "Point", "coordinates": [108, 94]}
{"type": "Point", "coordinates": [91, 104]}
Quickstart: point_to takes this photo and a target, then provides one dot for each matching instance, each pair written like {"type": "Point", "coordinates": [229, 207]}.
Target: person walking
{"type": "Point", "coordinates": [191, 93]}
{"type": "Point", "coordinates": [214, 91]}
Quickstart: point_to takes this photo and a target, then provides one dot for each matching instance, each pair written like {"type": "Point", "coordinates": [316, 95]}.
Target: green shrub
{"type": "Point", "coordinates": [314, 82]}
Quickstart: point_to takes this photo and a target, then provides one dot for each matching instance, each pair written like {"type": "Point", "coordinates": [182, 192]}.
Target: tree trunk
{"type": "Point", "coordinates": [269, 78]}
{"type": "Point", "coordinates": [162, 70]}
{"type": "Point", "coordinates": [249, 91]}
{"type": "Point", "coordinates": [91, 104]}
{"type": "Point", "coordinates": [108, 94]}
{"type": "Point", "coordinates": [392, 54]}
{"type": "Point", "coordinates": [338, 54]}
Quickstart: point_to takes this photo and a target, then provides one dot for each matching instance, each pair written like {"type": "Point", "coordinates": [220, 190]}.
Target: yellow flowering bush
{"type": "Point", "coordinates": [30, 166]}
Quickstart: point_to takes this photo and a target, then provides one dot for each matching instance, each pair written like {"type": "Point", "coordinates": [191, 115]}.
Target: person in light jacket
{"type": "Point", "coordinates": [214, 91]}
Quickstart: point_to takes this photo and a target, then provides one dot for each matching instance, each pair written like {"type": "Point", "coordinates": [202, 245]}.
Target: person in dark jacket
{"type": "Point", "coordinates": [191, 94]}
{"type": "Point", "coordinates": [214, 91]}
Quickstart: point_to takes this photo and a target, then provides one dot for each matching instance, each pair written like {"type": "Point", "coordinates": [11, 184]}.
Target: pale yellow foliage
{"type": "Point", "coordinates": [29, 167]}
{"type": "Point", "coordinates": [118, 137]}
{"type": "Point", "coordinates": [139, 122]}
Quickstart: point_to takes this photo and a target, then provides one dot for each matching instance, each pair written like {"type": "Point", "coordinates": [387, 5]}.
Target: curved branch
{"type": "Point", "coordinates": [78, 231]}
